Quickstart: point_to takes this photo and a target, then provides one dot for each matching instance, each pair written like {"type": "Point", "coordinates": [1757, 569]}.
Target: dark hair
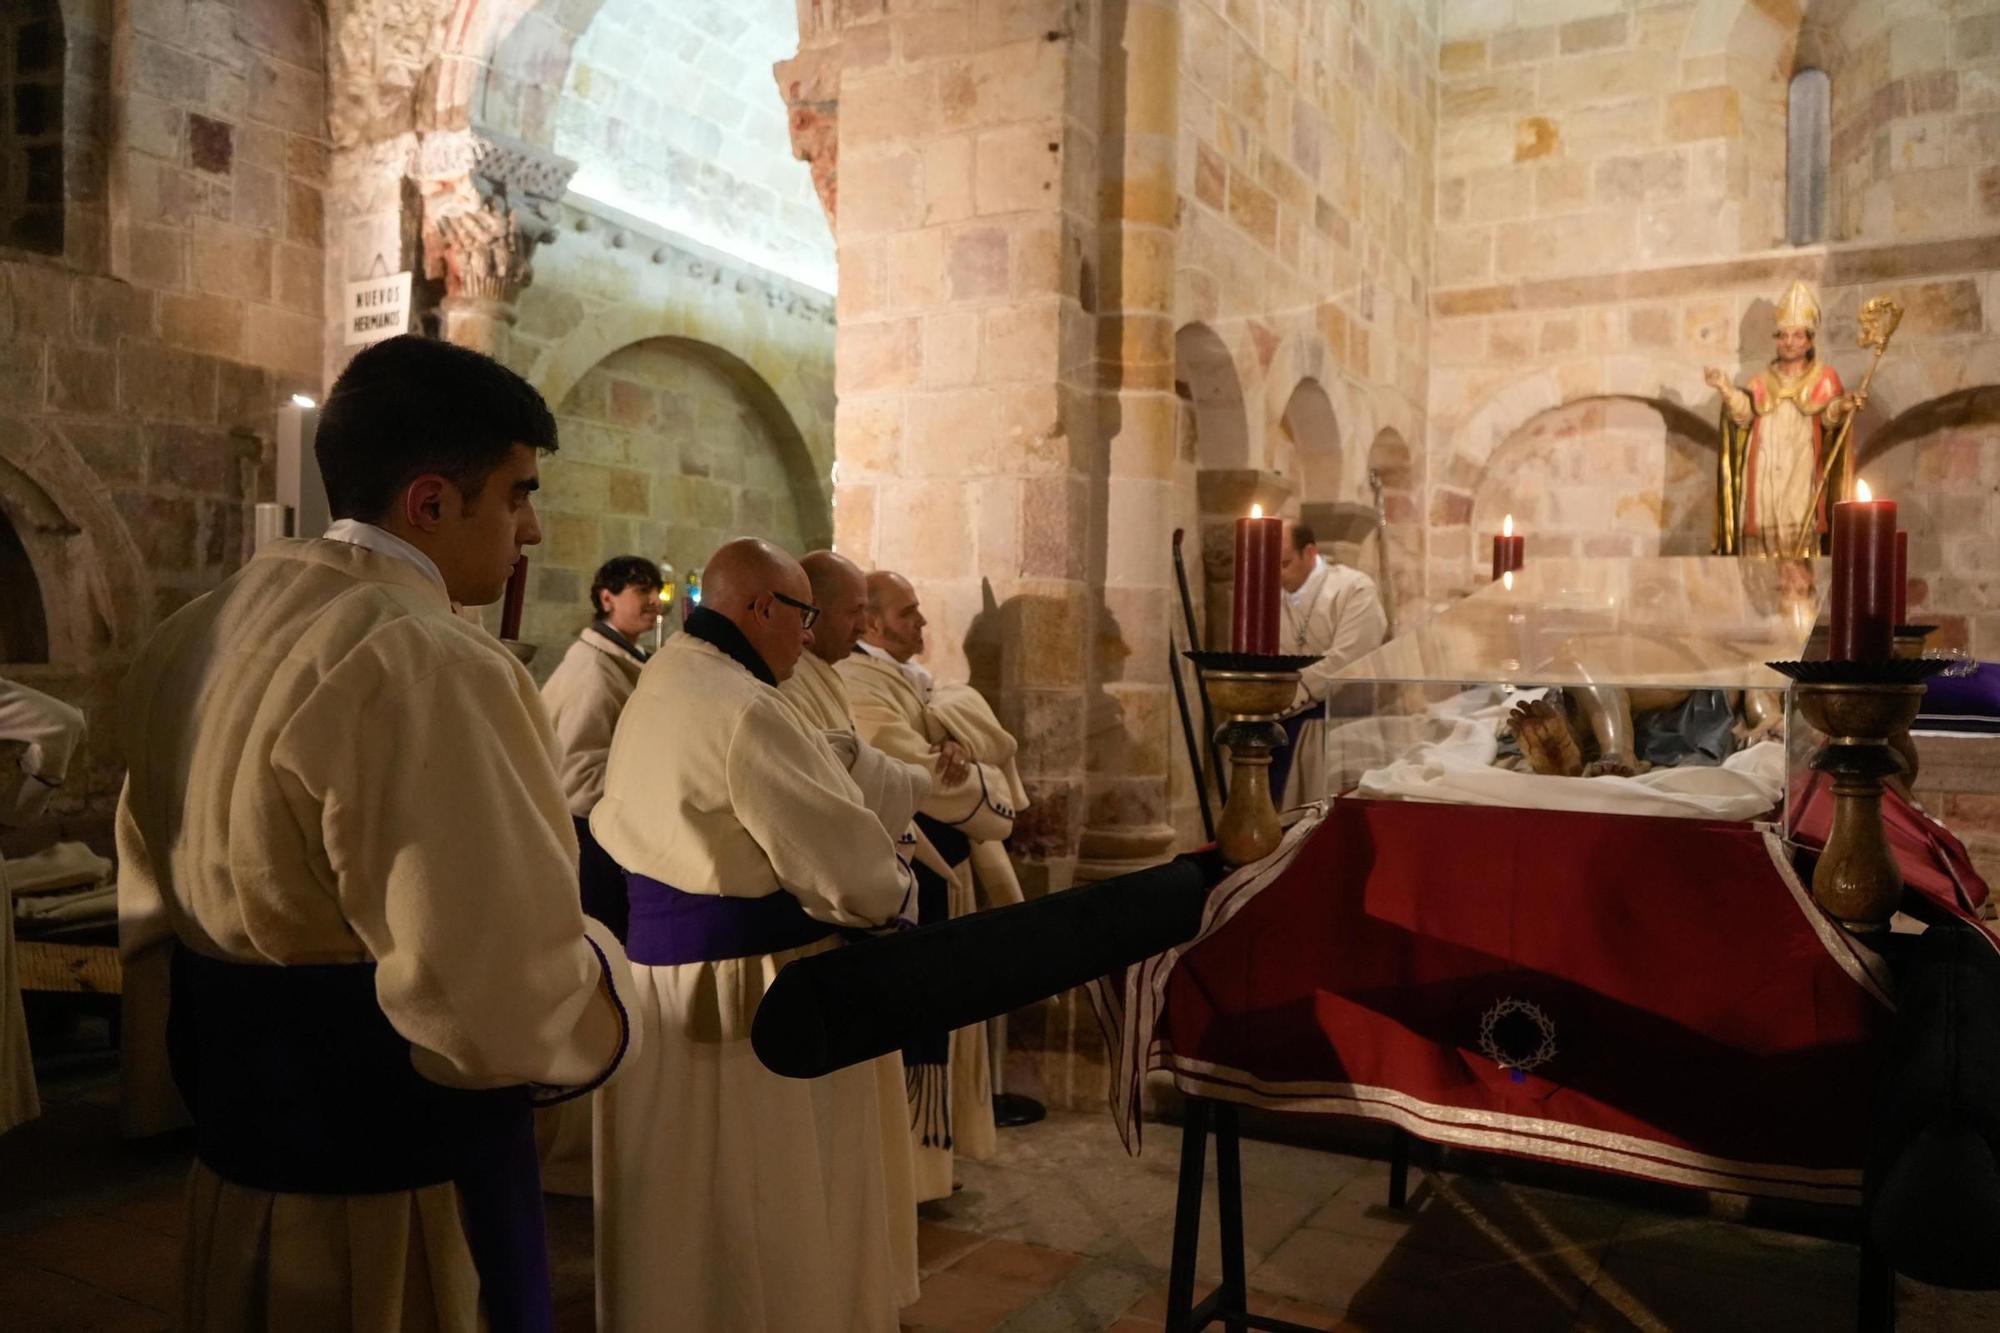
{"type": "Point", "coordinates": [621, 572]}
{"type": "Point", "coordinates": [412, 405]}
{"type": "Point", "coordinates": [1302, 537]}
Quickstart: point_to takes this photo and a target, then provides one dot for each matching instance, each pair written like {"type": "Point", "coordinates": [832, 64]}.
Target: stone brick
{"type": "Point", "coordinates": [157, 256]}
{"type": "Point", "coordinates": [1253, 208]}
{"type": "Point", "coordinates": [881, 355]}
{"type": "Point", "coordinates": [172, 75]}
{"type": "Point", "coordinates": [1462, 57]}
{"type": "Point", "coordinates": [1017, 82]}
{"type": "Point", "coordinates": [1535, 136]}
{"type": "Point", "coordinates": [978, 263]}
{"type": "Point", "coordinates": [880, 192]}
{"type": "Point", "coordinates": [287, 97]}
{"type": "Point", "coordinates": [1627, 180]}
{"type": "Point", "coordinates": [1987, 186]}
{"type": "Point", "coordinates": [1942, 307]}
{"type": "Point", "coordinates": [301, 279]}
{"type": "Point", "coordinates": [1562, 187]}
{"type": "Point", "coordinates": [200, 323]}
{"type": "Point", "coordinates": [1017, 168]}
{"type": "Point", "coordinates": [1595, 34]}
{"type": "Point", "coordinates": [211, 144]}
{"type": "Point", "coordinates": [82, 379]}
{"type": "Point", "coordinates": [951, 348]}
{"type": "Point", "coordinates": [305, 220]}
{"type": "Point", "coordinates": [1210, 177]}
{"type": "Point", "coordinates": [38, 299]}
{"type": "Point", "coordinates": [165, 382]}
{"type": "Point", "coordinates": [1703, 113]}
{"type": "Point", "coordinates": [949, 181]}
{"type": "Point", "coordinates": [1518, 46]}
{"type": "Point", "coordinates": [232, 263]}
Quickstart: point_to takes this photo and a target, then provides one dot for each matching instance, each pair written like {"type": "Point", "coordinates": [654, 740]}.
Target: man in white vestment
{"type": "Point", "coordinates": [975, 793]}
{"type": "Point", "coordinates": [343, 836]}
{"type": "Point", "coordinates": [1331, 612]}
{"type": "Point", "coordinates": [892, 789]}
{"type": "Point", "coordinates": [584, 696]}
{"type": "Point", "coordinates": [42, 734]}
{"type": "Point", "coordinates": [729, 1199]}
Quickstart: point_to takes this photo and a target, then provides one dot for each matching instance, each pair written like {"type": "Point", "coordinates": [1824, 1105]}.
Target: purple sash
{"type": "Point", "coordinates": [670, 927]}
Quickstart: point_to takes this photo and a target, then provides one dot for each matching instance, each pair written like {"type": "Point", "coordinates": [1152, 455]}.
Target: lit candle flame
{"type": "Point", "coordinates": [1256, 511]}
{"type": "Point", "coordinates": [1507, 526]}
{"type": "Point", "coordinates": [1862, 493]}
{"type": "Point", "coordinates": [1507, 580]}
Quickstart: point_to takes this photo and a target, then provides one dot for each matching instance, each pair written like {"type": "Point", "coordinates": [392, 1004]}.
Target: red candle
{"type": "Point", "coordinates": [1902, 577]}
{"type": "Point", "coordinates": [517, 592]}
{"type": "Point", "coordinates": [1253, 623]}
{"type": "Point", "coordinates": [1864, 578]}
{"type": "Point", "coordinates": [1508, 549]}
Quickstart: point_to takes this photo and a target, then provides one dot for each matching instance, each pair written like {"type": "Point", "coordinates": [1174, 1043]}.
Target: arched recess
{"type": "Point", "coordinates": [1312, 428]}
{"type": "Point", "coordinates": [1205, 378]}
{"type": "Point", "coordinates": [24, 622]}
{"type": "Point", "coordinates": [1602, 476]}
{"type": "Point", "coordinates": [87, 572]}
{"type": "Point", "coordinates": [1940, 462]}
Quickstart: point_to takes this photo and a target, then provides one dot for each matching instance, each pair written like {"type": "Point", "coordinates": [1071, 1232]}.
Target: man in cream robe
{"type": "Point", "coordinates": [342, 834]}
{"type": "Point", "coordinates": [892, 790]}
{"type": "Point", "coordinates": [729, 1199]}
{"type": "Point", "coordinates": [1333, 613]}
{"type": "Point", "coordinates": [42, 733]}
{"type": "Point", "coordinates": [975, 794]}
{"type": "Point", "coordinates": [584, 696]}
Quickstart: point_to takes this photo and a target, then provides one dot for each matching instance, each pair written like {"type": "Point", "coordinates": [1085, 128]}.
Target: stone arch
{"type": "Point", "coordinates": [1205, 377]}
{"type": "Point", "coordinates": [1602, 475]}
{"type": "Point", "coordinates": [87, 570]}
{"type": "Point", "coordinates": [809, 461]}
{"type": "Point", "coordinates": [1310, 424]}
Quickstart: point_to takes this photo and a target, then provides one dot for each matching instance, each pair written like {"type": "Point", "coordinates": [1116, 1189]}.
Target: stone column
{"type": "Point", "coordinates": [967, 422]}
{"type": "Point", "coordinates": [1129, 741]}
{"type": "Point", "coordinates": [488, 201]}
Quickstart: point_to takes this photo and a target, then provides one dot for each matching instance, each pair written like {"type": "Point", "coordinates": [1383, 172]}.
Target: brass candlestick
{"type": "Point", "coordinates": [1253, 692]}
{"type": "Point", "coordinates": [1860, 707]}
{"type": "Point", "coordinates": [1909, 645]}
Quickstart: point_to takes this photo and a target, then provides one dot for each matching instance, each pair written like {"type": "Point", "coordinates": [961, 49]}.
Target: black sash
{"type": "Point", "coordinates": [1283, 759]}
{"type": "Point", "coordinates": [927, 1056]}
{"type": "Point", "coordinates": [601, 882]}
{"type": "Point", "coordinates": [299, 1085]}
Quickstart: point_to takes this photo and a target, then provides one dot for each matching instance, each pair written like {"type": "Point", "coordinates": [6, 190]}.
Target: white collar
{"type": "Point", "coordinates": [918, 676]}
{"type": "Point", "coordinates": [383, 542]}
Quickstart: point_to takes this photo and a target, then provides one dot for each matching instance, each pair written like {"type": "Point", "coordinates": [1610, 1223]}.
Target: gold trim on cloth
{"type": "Point", "coordinates": [1497, 1131]}
{"type": "Point", "coordinates": [1794, 391]}
{"type": "Point", "coordinates": [1869, 969]}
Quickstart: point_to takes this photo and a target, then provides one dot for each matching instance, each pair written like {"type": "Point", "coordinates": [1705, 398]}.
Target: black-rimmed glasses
{"type": "Point", "coordinates": [808, 613]}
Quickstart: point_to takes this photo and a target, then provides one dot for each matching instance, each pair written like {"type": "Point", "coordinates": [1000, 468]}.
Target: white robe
{"type": "Point", "coordinates": [729, 1199]}
{"type": "Point", "coordinates": [46, 733]}
{"type": "Point", "coordinates": [905, 717]}
{"type": "Point", "coordinates": [327, 766]}
{"type": "Point", "coordinates": [892, 790]}
{"type": "Point", "coordinates": [584, 696]}
{"type": "Point", "coordinates": [1336, 616]}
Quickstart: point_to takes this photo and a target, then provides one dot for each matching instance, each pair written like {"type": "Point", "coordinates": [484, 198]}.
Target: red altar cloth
{"type": "Point", "coordinates": [1683, 1010]}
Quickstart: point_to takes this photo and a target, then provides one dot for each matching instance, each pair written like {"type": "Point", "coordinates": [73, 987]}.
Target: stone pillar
{"type": "Point", "coordinates": [1129, 739]}
{"type": "Point", "coordinates": [967, 422]}
{"type": "Point", "coordinates": [488, 201]}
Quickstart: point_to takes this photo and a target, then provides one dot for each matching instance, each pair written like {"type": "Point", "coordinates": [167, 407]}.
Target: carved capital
{"type": "Point", "coordinates": [488, 201]}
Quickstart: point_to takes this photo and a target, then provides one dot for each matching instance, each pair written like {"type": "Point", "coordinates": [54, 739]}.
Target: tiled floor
{"type": "Point", "coordinates": [1065, 1232]}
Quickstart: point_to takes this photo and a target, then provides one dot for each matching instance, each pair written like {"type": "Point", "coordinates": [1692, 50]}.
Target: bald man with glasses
{"type": "Point", "coordinates": [731, 1200]}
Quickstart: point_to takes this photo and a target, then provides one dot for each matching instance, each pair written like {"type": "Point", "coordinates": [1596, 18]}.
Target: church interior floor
{"type": "Point", "coordinates": [1063, 1231]}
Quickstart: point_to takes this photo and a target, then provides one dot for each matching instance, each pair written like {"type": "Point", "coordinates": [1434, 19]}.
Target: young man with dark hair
{"type": "Point", "coordinates": [343, 837]}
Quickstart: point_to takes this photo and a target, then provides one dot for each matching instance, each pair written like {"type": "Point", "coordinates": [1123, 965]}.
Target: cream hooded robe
{"type": "Point", "coordinates": [729, 1199]}
{"type": "Point", "coordinates": [328, 766]}
{"type": "Point", "coordinates": [896, 717]}
{"type": "Point", "coordinates": [891, 789]}
{"type": "Point", "coordinates": [1337, 616]}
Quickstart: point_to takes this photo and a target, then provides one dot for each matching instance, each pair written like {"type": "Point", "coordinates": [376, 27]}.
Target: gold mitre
{"type": "Point", "coordinates": [1798, 308]}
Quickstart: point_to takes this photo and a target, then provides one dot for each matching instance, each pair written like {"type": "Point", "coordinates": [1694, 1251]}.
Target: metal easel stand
{"type": "Point", "coordinates": [1229, 1302]}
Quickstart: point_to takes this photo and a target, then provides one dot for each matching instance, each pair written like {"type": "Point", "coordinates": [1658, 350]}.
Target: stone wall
{"type": "Point", "coordinates": [1610, 222]}
{"type": "Point", "coordinates": [666, 455]}
{"type": "Point", "coordinates": [142, 366]}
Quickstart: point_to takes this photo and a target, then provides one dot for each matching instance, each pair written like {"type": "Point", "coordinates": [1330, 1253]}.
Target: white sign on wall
{"type": "Point", "coordinates": [376, 308]}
